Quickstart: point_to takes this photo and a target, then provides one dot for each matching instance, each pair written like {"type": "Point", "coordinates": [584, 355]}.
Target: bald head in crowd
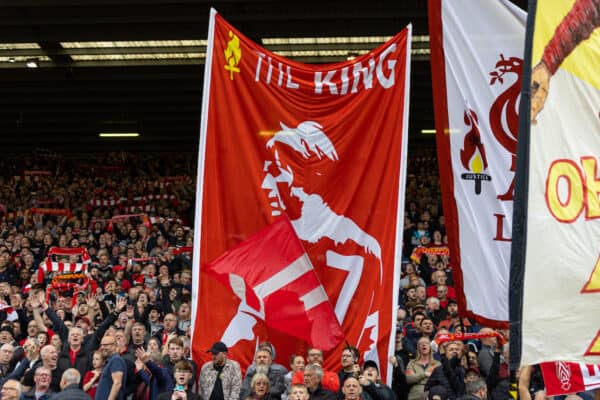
{"type": "Point", "coordinates": [49, 356]}
{"type": "Point", "coordinates": [11, 390]}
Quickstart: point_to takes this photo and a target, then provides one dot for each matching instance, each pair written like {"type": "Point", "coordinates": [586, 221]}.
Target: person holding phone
{"type": "Point", "coordinates": [182, 374]}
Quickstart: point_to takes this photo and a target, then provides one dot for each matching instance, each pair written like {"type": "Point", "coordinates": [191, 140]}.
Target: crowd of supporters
{"type": "Point", "coordinates": [123, 330]}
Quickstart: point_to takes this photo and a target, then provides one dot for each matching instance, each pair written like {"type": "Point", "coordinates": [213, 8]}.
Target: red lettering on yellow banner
{"type": "Point", "coordinates": [592, 187]}
{"type": "Point", "coordinates": [570, 189]}
{"type": "Point", "coordinates": [582, 187]}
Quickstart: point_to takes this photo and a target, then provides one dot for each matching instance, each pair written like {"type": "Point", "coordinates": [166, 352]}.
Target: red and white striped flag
{"type": "Point", "coordinates": [80, 256]}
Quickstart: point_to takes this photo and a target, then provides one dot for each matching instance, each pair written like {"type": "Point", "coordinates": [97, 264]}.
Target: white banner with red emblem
{"type": "Point", "coordinates": [561, 255]}
{"type": "Point", "coordinates": [324, 145]}
{"type": "Point", "coordinates": [476, 58]}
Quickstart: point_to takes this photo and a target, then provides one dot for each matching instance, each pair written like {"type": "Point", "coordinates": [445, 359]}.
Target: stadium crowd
{"type": "Point", "coordinates": [123, 330]}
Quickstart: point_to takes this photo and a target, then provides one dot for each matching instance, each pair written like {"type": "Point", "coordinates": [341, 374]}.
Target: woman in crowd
{"type": "Point", "coordinates": [260, 386]}
{"type": "Point", "coordinates": [420, 368]}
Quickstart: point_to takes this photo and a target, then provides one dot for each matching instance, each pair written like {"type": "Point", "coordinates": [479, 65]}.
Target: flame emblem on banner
{"type": "Point", "coordinates": [233, 54]}
{"type": "Point", "coordinates": [472, 155]}
{"type": "Point", "coordinates": [563, 373]}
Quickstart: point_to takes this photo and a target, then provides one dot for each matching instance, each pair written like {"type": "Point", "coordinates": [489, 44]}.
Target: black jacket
{"type": "Point", "coordinates": [399, 384]}
{"type": "Point", "coordinates": [71, 392]}
{"type": "Point", "coordinates": [450, 375]}
{"type": "Point", "coordinates": [83, 361]}
{"type": "Point", "coordinates": [498, 386]}
{"type": "Point", "coordinates": [54, 383]}
{"type": "Point", "coordinates": [379, 391]}
{"type": "Point", "coordinates": [90, 343]}
{"type": "Point", "coordinates": [30, 395]}
{"type": "Point", "coordinates": [322, 394]}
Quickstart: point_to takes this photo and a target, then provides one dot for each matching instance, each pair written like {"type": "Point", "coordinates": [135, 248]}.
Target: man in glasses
{"type": "Point", "coordinates": [349, 362]}
{"type": "Point", "coordinates": [112, 381]}
{"type": "Point", "coordinates": [41, 389]}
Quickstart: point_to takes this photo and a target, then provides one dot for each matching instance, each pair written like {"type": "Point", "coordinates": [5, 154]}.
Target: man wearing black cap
{"type": "Point", "coordinates": [452, 317]}
{"type": "Point", "coordinates": [371, 383]}
{"type": "Point", "coordinates": [221, 378]}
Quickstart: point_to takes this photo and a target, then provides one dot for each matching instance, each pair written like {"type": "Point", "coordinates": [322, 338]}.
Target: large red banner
{"type": "Point", "coordinates": [324, 145]}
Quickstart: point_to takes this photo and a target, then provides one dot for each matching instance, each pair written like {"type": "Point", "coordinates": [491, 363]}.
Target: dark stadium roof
{"type": "Point", "coordinates": [150, 81]}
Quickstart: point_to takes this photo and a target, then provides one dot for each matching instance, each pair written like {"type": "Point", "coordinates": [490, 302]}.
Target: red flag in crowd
{"type": "Point", "coordinates": [272, 275]}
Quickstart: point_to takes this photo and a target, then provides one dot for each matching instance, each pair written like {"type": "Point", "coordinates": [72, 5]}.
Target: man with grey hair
{"type": "Point", "coordinates": [11, 390]}
{"type": "Point", "coordinates": [434, 311]}
{"type": "Point", "coordinates": [73, 354]}
{"type": "Point", "coordinates": [330, 379]}
{"type": "Point", "coordinates": [476, 390]}
{"type": "Point", "coordinates": [6, 354]}
{"type": "Point", "coordinates": [69, 385]}
{"type": "Point", "coordinates": [78, 347]}
{"type": "Point", "coordinates": [313, 375]}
